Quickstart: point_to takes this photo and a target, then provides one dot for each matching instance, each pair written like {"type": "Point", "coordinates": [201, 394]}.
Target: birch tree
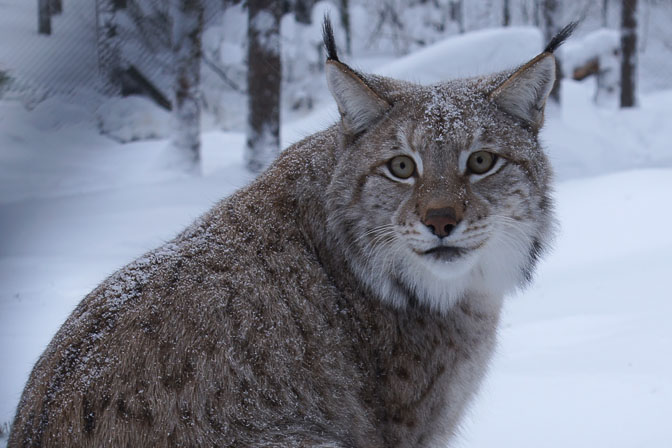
{"type": "Point", "coordinates": [263, 84]}
{"type": "Point", "coordinates": [628, 52]}
{"type": "Point", "coordinates": [187, 50]}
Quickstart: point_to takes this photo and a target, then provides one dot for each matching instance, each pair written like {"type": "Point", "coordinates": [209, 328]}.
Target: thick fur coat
{"type": "Point", "coordinates": [320, 305]}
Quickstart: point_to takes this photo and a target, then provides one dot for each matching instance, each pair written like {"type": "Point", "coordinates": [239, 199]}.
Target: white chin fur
{"type": "Point", "coordinates": [493, 270]}
{"type": "Point", "coordinates": [440, 284]}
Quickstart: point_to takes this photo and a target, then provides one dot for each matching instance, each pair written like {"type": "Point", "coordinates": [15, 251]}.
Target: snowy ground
{"type": "Point", "coordinates": [584, 358]}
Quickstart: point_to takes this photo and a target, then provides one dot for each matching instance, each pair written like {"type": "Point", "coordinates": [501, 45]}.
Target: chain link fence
{"type": "Point", "coordinates": [107, 47]}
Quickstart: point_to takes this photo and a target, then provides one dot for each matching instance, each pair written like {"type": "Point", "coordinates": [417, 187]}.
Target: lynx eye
{"type": "Point", "coordinates": [402, 167]}
{"type": "Point", "coordinates": [481, 162]}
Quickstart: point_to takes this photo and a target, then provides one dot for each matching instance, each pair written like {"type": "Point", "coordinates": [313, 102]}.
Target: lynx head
{"type": "Point", "coordinates": [441, 191]}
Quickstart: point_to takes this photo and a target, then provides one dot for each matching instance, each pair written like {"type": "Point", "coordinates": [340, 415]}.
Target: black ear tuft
{"type": "Point", "coordinates": [561, 37]}
{"type": "Point", "coordinates": [328, 37]}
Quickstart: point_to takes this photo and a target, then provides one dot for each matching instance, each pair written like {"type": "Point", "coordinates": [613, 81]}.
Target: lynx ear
{"type": "Point", "coordinates": [358, 104]}
{"type": "Point", "coordinates": [524, 93]}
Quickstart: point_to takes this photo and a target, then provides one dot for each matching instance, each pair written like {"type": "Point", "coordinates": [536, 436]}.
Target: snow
{"type": "Point", "coordinates": [39, 161]}
{"type": "Point", "coordinates": [583, 359]}
{"type": "Point", "coordinates": [583, 355]}
{"type": "Point", "coordinates": [470, 54]}
{"type": "Point", "coordinates": [133, 118]}
{"type": "Point", "coordinates": [35, 52]}
{"type": "Point", "coordinates": [588, 140]}
{"type": "Point", "coordinates": [599, 43]}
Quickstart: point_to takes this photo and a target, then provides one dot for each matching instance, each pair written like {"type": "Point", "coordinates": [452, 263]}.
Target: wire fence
{"type": "Point", "coordinates": [89, 38]}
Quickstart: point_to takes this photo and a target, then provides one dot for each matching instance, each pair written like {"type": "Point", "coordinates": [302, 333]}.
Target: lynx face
{"type": "Point", "coordinates": [444, 193]}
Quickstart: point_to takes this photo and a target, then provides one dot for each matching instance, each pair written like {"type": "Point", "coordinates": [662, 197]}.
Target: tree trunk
{"type": "Point", "coordinates": [187, 53]}
{"type": "Point", "coordinates": [345, 17]}
{"type": "Point", "coordinates": [506, 20]}
{"type": "Point", "coordinates": [264, 73]}
{"type": "Point", "coordinates": [43, 17]}
{"type": "Point", "coordinates": [55, 7]}
{"type": "Point", "coordinates": [605, 13]}
{"type": "Point", "coordinates": [457, 13]}
{"type": "Point", "coordinates": [552, 11]}
{"type": "Point", "coordinates": [302, 9]}
{"type": "Point", "coordinates": [628, 52]}
{"type": "Point", "coordinates": [109, 45]}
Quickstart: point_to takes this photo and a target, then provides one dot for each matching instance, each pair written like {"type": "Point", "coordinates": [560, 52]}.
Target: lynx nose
{"type": "Point", "coordinates": [441, 221]}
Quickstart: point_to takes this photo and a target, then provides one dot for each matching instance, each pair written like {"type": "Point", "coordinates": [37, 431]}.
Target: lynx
{"type": "Point", "coordinates": [349, 297]}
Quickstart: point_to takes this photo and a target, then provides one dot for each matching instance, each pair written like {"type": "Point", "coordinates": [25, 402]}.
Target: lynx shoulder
{"type": "Point", "coordinates": [349, 297]}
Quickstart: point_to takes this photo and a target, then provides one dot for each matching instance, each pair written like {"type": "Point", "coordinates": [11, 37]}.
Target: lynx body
{"type": "Point", "coordinates": [349, 297]}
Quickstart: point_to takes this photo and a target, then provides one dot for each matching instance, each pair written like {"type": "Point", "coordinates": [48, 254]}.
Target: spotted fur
{"type": "Point", "coordinates": [313, 308]}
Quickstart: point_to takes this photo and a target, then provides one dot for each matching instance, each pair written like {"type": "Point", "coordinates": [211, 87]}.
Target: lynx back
{"type": "Point", "coordinates": [349, 297]}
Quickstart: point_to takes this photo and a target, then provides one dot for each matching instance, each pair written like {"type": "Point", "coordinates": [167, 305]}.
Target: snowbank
{"type": "Point", "coordinates": [40, 158]}
{"type": "Point", "coordinates": [133, 118]}
{"type": "Point", "coordinates": [583, 359]}
{"type": "Point", "coordinates": [471, 54]}
{"type": "Point", "coordinates": [585, 140]}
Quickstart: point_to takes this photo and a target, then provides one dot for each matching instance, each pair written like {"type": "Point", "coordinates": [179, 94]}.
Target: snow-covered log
{"type": "Point", "coordinates": [596, 54]}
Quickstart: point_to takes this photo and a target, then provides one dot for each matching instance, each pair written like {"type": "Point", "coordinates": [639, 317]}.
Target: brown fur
{"type": "Point", "coordinates": [278, 319]}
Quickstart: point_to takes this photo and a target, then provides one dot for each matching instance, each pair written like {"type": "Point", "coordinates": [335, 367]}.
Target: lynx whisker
{"type": "Point", "coordinates": [376, 232]}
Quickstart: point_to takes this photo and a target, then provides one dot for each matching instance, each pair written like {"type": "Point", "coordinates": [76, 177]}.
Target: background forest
{"type": "Point", "coordinates": [123, 120]}
{"type": "Point", "coordinates": [247, 66]}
